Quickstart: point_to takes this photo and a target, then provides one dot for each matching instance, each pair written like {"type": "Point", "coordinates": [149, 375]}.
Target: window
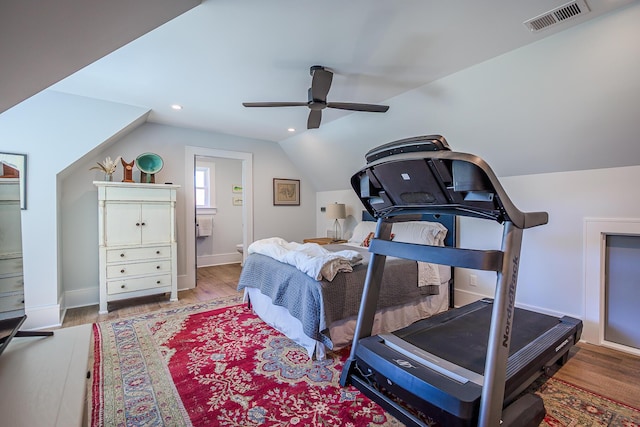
{"type": "Point", "coordinates": [203, 187]}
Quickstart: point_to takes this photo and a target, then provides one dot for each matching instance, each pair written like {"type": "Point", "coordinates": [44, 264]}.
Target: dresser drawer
{"type": "Point", "coordinates": [12, 302]}
{"type": "Point", "coordinates": [148, 194]}
{"type": "Point", "coordinates": [134, 254]}
{"type": "Point", "coordinates": [136, 269]}
{"type": "Point", "coordinates": [138, 284]}
{"type": "Point", "coordinates": [11, 265]}
{"type": "Point", "coordinates": [11, 284]}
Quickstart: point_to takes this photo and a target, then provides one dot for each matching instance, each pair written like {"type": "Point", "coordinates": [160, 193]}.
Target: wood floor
{"type": "Point", "coordinates": [213, 282]}
{"type": "Point", "coordinates": [604, 371]}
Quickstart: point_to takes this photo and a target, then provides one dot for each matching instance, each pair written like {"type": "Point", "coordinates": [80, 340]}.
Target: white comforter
{"type": "Point", "coordinates": [310, 258]}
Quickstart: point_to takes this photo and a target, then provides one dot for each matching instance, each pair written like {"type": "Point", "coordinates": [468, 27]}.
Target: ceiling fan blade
{"type": "Point", "coordinates": [274, 104]}
{"type": "Point", "coordinates": [373, 108]}
{"type": "Point", "coordinates": [321, 83]}
{"type": "Point", "coordinates": [315, 116]}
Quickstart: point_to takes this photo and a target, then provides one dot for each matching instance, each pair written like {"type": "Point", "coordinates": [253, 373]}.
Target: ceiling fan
{"type": "Point", "coordinates": [317, 99]}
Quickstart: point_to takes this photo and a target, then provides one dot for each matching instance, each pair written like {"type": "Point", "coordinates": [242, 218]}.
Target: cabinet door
{"type": "Point", "coordinates": [157, 223]}
{"type": "Point", "coordinates": [122, 224]}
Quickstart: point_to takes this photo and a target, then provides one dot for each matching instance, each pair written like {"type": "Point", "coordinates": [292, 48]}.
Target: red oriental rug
{"type": "Point", "coordinates": [217, 364]}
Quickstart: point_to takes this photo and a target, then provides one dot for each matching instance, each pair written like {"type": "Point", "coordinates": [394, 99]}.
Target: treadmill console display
{"type": "Point", "coordinates": [422, 174]}
{"type": "Point", "coordinates": [466, 366]}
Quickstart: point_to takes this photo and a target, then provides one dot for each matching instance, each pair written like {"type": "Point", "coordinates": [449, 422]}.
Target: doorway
{"type": "Point", "coordinates": [191, 153]}
{"type": "Point", "coordinates": [218, 198]}
{"type": "Point", "coordinates": [597, 232]}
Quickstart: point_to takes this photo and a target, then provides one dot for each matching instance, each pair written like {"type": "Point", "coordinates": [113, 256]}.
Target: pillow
{"type": "Point", "coordinates": [361, 231]}
{"type": "Point", "coordinates": [422, 232]}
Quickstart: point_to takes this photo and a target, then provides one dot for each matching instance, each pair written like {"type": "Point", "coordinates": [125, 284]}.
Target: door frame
{"type": "Point", "coordinates": [190, 206]}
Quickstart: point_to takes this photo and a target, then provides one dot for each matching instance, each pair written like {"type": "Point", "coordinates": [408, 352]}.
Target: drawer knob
{"type": "Point", "coordinates": [158, 282]}
{"type": "Point", "coordinates": [122, 286]}
{"type": "Point", "coordinates": [137, 224]}
{"type": "Point", "coordinates": [144, 223]}
{"type": "Point", "coordinates": [158, 252]}
{"type": "Point", "coordinates": [121, 255]}
{"type": "Point", "coordinates": [122, 271]}
{"type": "Point", "coordinates": [158, 267]}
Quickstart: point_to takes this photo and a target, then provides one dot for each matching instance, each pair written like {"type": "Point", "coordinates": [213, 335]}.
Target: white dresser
{"type": "Point", "coordinates": [137, 238]}
{"type": "Point", "coordinates": [11, 279]}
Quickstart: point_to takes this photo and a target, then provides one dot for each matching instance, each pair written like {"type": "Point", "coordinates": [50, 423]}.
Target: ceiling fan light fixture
{"type": "Point", "coordinates": [176, 107]}
{"type": "Point", "coordinates": [321, 78]}
{"type": "Point", "coordinates": [291, 130]}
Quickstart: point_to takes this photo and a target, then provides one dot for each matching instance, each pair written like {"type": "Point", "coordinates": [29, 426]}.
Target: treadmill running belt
{"type": "Point", "coordinates": [464, 339]}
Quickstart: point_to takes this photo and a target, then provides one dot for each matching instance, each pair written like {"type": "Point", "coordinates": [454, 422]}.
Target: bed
{"type": "Point", "coordinates": [320, 315]}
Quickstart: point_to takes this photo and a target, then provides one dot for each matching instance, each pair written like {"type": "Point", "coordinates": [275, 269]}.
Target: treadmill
{"type": "Point", "coordinates": [469, 365]}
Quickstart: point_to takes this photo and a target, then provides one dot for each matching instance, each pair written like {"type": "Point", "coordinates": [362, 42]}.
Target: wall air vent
{"type": "Point", "coordinates": [557, 15]}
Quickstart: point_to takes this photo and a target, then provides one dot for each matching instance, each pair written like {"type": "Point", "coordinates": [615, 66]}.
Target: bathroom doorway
{"type": "Point", "coordinates": [230, 198]}
{"type": "Point", "coordinates": [218, 201]}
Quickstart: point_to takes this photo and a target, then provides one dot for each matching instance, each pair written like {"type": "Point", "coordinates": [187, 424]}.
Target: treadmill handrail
{"type": "Point", "coordinates": [488, 260]}
{"type": "Point", "coordinates": [519, 218]}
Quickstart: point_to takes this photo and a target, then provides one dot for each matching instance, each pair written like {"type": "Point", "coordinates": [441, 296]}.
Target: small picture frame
{"type": "Point", "coordinates": [237, 189]}
{"type": "Point", "coordinates": [286, 192]}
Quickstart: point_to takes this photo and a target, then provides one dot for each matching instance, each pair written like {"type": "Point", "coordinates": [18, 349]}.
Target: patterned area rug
{"type": "Point", "coordinates": [568, 405]}
{"type": "Point", "coordinates": [217, 364]}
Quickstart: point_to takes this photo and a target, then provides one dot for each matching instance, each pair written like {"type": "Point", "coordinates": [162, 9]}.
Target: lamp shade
{"type": "Point", "coordinates": [336, 211]}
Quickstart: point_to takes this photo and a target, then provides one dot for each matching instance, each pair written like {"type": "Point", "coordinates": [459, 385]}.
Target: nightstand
{"type": "Point", "coordinates": [323, 240]}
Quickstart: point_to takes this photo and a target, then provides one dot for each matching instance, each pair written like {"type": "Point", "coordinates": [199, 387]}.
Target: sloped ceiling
{"type": "Point", "coordinates": [528, 102]}
{"type": "Point", "coordinates": [225, 52]}
{"type": "Point", "coordinates": [42, 41]}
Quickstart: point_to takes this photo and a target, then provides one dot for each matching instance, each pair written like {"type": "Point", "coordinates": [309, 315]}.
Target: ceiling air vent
{"type": "Point", "coordinates": [557, 15]}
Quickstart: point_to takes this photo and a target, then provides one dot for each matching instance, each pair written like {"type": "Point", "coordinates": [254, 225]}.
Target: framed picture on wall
{"type": "Point", "coordinates": [286, 192]}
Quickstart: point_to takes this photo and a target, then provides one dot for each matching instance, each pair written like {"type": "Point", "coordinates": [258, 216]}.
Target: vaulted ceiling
{"type": "Point", "coordinates": [225, 52]}
{"type": "Point", "coordinates": [221, 53]}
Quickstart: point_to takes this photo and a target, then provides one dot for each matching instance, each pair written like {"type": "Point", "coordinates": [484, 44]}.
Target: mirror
{"type": "Point", "coordinates": [12, 312]}
{"type": "Point", "coordinates": [15, 166]}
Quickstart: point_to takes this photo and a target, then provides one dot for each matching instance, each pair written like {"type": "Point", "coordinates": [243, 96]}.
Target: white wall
{"type": "Point", "coordinates": [353, 207]}
{"type": "Point", "coordinates": [54, 130]}
{"type": "Point", "coordinates": [80, 256]}
{"type": "Point", "coordinates": [552, 274]}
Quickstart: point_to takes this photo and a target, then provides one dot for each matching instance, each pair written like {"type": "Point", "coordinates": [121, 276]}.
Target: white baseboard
{"type": "Point", "coordinates": [182, 283]}
{"type": "Point", "coordinates": [219, 259]}
{"type": "Point", "coordinates": [47, 316]}
{"type": "Point", "coordinates": [463, 297]}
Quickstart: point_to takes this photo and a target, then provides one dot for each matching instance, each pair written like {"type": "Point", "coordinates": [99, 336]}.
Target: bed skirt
{"type": "Point", "coordinates": [341, 331]}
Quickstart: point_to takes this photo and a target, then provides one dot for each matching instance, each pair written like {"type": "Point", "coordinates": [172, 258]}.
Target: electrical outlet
{"type": "Point", "coordinates": [473, 280]}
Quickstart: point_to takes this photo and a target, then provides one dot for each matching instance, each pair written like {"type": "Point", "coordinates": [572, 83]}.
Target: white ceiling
{"type": "Point", "coordinates": [224, 52]}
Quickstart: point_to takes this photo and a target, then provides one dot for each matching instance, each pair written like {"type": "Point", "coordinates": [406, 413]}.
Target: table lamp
{"type": "Point", "coordinates": [336, 212]}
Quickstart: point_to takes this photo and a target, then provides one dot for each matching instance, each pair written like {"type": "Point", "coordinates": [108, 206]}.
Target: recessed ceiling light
{"type": "Point", "coordinates": [291, 130]}
{"type": "Point", "coordinates": [176, 107]}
